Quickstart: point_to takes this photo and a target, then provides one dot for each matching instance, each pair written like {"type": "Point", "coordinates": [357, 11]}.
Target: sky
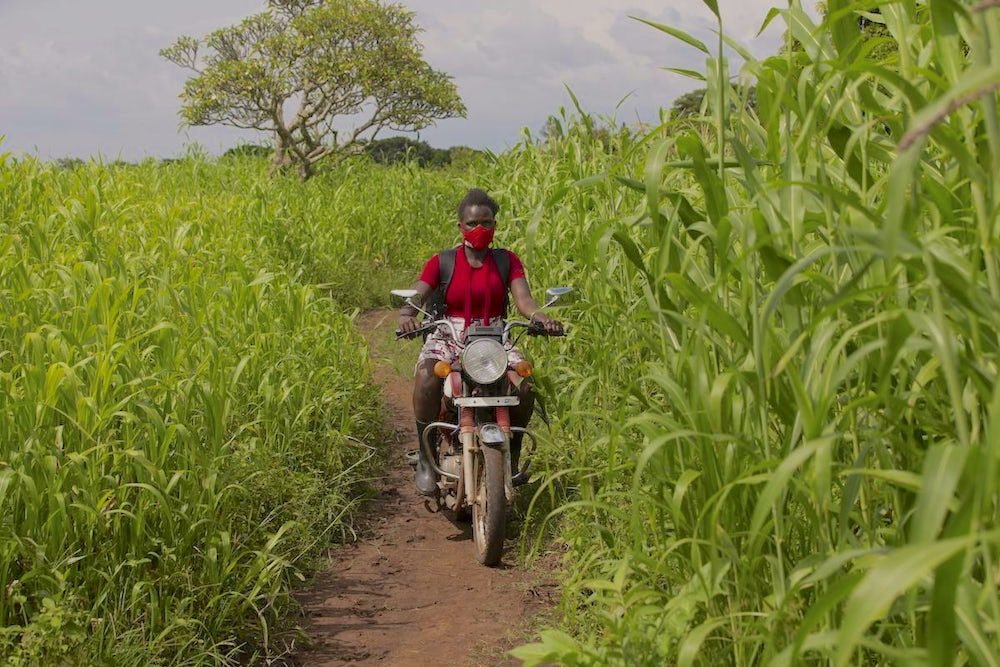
{"type": "Point", "coordinates": [82, 79]}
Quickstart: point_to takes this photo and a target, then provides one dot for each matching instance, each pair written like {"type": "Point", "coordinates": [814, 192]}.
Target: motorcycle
{"type": "Point", "coordinates": [473, 434]}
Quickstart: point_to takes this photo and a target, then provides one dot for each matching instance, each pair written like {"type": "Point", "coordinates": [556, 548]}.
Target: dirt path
{"type": "Point", "coordinates": [411, 592]}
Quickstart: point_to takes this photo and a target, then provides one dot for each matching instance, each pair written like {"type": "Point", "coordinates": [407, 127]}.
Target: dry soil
{"type": "Point", "coordinates": [410, 591]}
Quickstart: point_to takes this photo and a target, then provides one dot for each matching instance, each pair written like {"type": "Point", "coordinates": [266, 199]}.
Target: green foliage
{"type": "Point", "coordinates": [689, 105]}
{"type": "Point", "coordinates": [249, 150]}
{"type": "Point", "coordinates": [464, 157]}
{"type": "Point", "coordinates": [774, 426]}
{"type": "Point", "coordinates": [870, 31]}
{"type": "Point", "coordinates": [396, 150]}
{"type": "Point", "coordinates": [69, 163]}
{"type": "Point", "coordinates": [404, 149]}
{"type": "Point", "coordinates": [298, 67]}
{"type": "Point", "coordinates": [773, 431]}
{"type": "Point", "coordinates": [604, 132]}
{"type": "Point", "coordinates": [694, 105]}
{"type": "Point", "coordinates": [186, 410]}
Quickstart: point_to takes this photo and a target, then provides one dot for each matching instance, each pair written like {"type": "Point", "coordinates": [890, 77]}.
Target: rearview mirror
{"type": "Point", "coordinates": [554, 293]}
{"type": "Point", "coordinates": [409, 296]}
{"type": "Point", "coordinates": [405, 294]}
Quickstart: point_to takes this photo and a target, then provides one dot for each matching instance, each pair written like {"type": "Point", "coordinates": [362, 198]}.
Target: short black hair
{"type": "Point", "coordinates": [477, 197]}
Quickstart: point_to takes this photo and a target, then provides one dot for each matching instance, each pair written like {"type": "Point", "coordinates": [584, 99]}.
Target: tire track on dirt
{"type": "Point", "coordinates": [410, 591]}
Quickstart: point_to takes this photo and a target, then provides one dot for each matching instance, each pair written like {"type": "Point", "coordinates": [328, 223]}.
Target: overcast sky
{"type": "Point", "coordinates": [85, 78]}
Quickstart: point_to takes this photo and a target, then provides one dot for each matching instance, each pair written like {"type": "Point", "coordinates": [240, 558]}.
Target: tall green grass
{"type": "Point", "coordinates": [777, 435]}
{"type": "Point", "coordinates": [773, 433]}
{"type": "Point", "coordinates": [186, 409]}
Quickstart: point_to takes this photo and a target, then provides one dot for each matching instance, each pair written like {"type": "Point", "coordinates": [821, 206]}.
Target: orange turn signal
{"type": "Point", "coordinates": [523, 368]}
{"type": "Point", "coordinates": [442, 369]}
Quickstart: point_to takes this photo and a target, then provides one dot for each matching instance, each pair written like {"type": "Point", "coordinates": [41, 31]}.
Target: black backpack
{"type": "Point", "coordinates": [434, 304]}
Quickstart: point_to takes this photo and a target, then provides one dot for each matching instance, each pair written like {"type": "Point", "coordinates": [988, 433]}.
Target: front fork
{"type": "Point", "coordinates": [489, 434]}
{"type": "Point", "coordinates": [486, 435]}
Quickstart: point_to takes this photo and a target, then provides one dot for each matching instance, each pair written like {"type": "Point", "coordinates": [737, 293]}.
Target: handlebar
{"type": "Point", "coordinates": [533, 329]}
{"type": "Point", "coordinates": [428, 327]}
{"type": "Point", "coordinates": [412, 334]}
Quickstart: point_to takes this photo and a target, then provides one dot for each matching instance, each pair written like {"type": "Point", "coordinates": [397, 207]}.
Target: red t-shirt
{"type": "Point", "coordinates": [473, 293]}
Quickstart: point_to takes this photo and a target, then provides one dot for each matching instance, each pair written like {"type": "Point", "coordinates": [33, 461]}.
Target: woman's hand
{"type": "Point", "coordinates": [552, 327]}
{"type": "Point", "coordinates": [408, 323]}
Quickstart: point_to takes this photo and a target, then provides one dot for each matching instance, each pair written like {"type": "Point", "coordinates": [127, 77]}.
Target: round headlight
{"type": "Point", "coordinates": [484, 360]}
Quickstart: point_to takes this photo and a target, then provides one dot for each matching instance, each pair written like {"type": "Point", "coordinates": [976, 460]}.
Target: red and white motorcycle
{"type": "Point", "coordinates": [473, 454]}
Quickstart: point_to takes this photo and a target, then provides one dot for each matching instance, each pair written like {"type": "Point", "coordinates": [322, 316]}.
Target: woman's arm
{"type": "Point", "coordinates": [407, 314]}
{"type": "Point", "coordinates": [528, 307]}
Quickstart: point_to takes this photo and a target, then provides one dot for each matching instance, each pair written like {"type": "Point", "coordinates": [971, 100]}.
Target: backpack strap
{"type": "Point", "coordinates": [502, 260]}
{"type": "Point", "coordinates": [434, 304]}
{"type": "Point", "coordinates": [446, 262]}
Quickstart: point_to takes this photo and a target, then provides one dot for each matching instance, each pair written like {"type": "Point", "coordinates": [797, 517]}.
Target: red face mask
{"type": "Point", "coordinates": [478, 238]}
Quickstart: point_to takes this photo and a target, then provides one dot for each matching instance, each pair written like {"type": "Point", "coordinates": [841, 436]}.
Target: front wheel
{"type": "Point", "coordinates": [490, 509]}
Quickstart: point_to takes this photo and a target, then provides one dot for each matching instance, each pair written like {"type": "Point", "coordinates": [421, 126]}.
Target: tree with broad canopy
{"type": "Point", "coordinates": [323, 76]}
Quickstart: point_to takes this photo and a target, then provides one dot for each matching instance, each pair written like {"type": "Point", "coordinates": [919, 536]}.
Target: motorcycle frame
{"type": "Point", "coordinates": [474, 433]}
{"type": "Point", "coordinates": [470, 426]}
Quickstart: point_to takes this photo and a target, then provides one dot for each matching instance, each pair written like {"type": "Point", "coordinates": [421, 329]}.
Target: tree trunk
{"type": "Point", "coordinates": [286, 159]}
{"type": "Point", "coordinates": [305, 170]}
{"type": "Point", "coordinates": [281, 160]}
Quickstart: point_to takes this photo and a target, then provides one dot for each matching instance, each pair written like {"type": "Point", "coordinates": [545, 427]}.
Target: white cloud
{"type": "Point", "coordinates": [82, 77]}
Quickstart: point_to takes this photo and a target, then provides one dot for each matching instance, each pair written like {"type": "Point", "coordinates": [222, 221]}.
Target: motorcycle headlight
{"type": "Point", "coordinates": [484, 360]}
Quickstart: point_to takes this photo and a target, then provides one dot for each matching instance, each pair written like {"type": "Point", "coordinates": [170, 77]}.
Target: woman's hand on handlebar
{"type": "Point", "coordinates": [547, 326]}
{"type": "Point", "coordinates": [408, 324]}
{"type": "Point", "coordinates": [553, 328]}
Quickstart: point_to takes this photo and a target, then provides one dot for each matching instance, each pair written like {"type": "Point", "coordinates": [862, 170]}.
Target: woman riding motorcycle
{"type": "Point", "coordinates": [476, 290]}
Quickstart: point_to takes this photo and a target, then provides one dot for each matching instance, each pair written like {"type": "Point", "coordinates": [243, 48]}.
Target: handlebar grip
{"type": "Point", "coordinates": [538, 329]}
{"type": "Point", "coordinates": [402, 334]}
{"type": "Point", "coordinates": [413, 334]}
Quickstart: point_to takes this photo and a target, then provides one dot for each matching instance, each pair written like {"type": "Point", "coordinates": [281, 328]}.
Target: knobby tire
{"type": "Point", "coordinates": [490, 513]}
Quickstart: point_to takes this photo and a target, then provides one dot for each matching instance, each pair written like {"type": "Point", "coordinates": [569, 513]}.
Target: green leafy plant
{"type": "Point", "coordinates": [298, 69]}
{"type": "Point", "coordinates": [781, 447]}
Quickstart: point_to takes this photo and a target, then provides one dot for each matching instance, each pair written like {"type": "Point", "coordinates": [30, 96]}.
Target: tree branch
{"type": "Point", "coordinates": [296, 68]}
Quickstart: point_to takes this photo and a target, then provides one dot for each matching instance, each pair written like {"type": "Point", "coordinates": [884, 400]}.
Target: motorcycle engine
{"type": "Point", "coordinates": [451, 463]}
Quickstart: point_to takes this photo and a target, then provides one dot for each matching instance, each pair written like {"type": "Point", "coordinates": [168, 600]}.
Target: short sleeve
{"type": "Point", "coordinates": [432, 272]}
{"type": "Point", "coordinates": [516, 268]}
